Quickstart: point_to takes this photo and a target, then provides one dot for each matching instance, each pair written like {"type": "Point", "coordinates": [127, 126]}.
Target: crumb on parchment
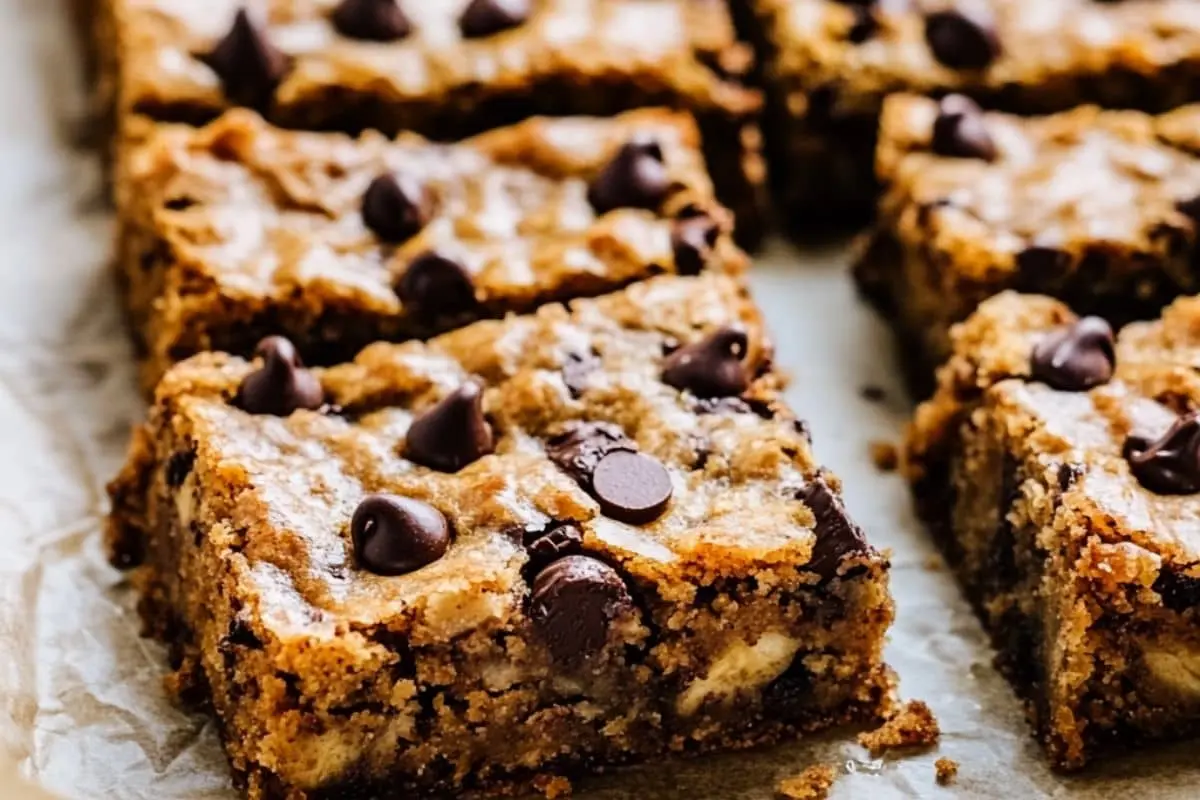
{"type": "Point", "coordinates": [885, 456]}
{"type": "Point", "coordinates": [812, 784]}
{"type": "Point", "coordinates": [947, 770]}
{"type": "Point", "coordinates": [912, 725]}
{"type": "Point", "coordinates": [553, 786]}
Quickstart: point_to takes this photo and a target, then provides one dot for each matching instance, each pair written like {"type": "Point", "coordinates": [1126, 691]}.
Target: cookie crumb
{"type": "Point", "coordinates": [812, 784]}
{"type": "Point", "coordinates": [947, 770]}
{"type": "Point", "coordinates": [885, 456]}
{"type": "Point", "coordinates": [874, 394]}
{"type": "Point", "coordinates": [552, 786]}
{"type": "Point", "coordinates": [913, 725]}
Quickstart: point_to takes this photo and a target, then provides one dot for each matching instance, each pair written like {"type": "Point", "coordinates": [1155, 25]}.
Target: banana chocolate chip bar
{"type": "Point", "coordinates": [523, 550]}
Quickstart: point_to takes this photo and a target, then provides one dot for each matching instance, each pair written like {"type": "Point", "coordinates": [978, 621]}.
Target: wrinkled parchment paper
{"type": "Point", "coordinates": [82, 712]}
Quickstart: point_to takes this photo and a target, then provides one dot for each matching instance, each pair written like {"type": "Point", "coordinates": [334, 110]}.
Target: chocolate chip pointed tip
{"type": "Point", "coordinates": [960, 130]}
{"type": "Point", "coordinates": [437, 285]}
{"type": "Point", "coordinates": [1169, 465]}
{"type": "Point", "coordinates": [636, 177]}
{"type": "Point", "coordinates": [837, 535]}
{"type": "Point", "coordinates": [372, 20]}
{"type": "Point", "coordinates": [631, 487]}
{"type": "Point", "coordinates": [711, 367]}
{"type": "Point", "coordinates": [488, 17]}
{"type": "Point", "coordinates": [964, 37]}
{"type": "Point", "coordinates": [574, 602]}
{"type": "Point", "coordinates": [452, 434]}
{"type": "Point", "coordinates": [395, 207]}
{"type": "Point", "coordinates": [281, 384]}
{"type": "Point", "coordinates": [249, 65]}
{"type": "Point", "coordinates": [693, 240]}
{"type": "Point", "coordinates": [395, 535]}
{"type": "Point", "coordinates": [1075, 357]}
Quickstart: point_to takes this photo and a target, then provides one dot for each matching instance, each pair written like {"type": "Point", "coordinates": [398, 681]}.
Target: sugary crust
{"type": "Point", "coordinates": [241, 522]}
{"type": "Point", "coordinates": [240, 229]}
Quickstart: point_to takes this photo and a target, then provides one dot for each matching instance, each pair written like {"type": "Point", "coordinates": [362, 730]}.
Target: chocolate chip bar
{"type": "Point", "coordinates": [1059, 466]}
{"type": "Point", "coordinates": [831, 63]}
{"type": "Point", "coordinates": [240, 230]}
{"type": "Point", "coordinates": [1096, 208]}
{"type": "Point", "coordinates": [523, 550]}
{"type": "Point", "coordinates": [446, 69]}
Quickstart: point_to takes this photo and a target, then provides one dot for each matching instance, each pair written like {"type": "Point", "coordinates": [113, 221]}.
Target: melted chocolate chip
{"type": "Point", "coordinates": [1038, 263]}
{"type": "Point", "coordinates": [394, 535]}
{"type": "Point", "coordinates": [395, 207]}
{"type": "Point", "coordinates": [372, 20]}
{"type": "Point", "coordinates": [711, 367]}
{"type": "Point", "coordinates": [960, 130]}
{"type": "Point", "coordinates": [1068, 474]}
{"type": "Point", "coordinates": [552, 544]}
{"type": "Point", "coordinates": [635, 178]}
{"type": "Point", "coordinates": [452, 434]}
{"type": "Point", "coordinates": [573, 603]}
{"type": "Point", "coordinates": [282, 384]}
{"type": "Point", "coordinates": [1075, 358]}
{"type": "Point", "coordinates": [486, 17]}
{"type": "Point", "coordinates": [179, 466]}
{"type": "Point", "coordinates": [249, 66]}
{"type": "Point", "coordinates": [437, 285]}
{"type": "Point", "coordinates": [692, 242]}
{"type": "Point", "coordinates": [1179, 592]}
{"type": "Point", "coordinates": [865, 24]}
{"type": "Point", "coordinates": [963, 38]}
{"type": "Point", "coordinates": [580, 448]}
{"type": "Point", "coordinates": [837, 535]}
{"type": "Point", "coordinates": [631, 487]}
{"type": "Point", "coordinates": [1171, 463]}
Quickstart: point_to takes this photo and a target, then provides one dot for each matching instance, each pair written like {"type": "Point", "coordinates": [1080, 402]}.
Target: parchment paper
{"type": "Point", "coordinates": [82, 712]}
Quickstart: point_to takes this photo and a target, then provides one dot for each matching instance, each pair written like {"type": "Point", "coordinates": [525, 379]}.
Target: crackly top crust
{"type": "Point", "coordinates": [1155, 380]}
{"type": "Point", "coordinates": [283, 489]}
{"type": "Point", "coordinates": [1050, 50]}
{"type": "Point", "coordinates": [1082, 182]}
{"type": "Point", "coordinates": [671, 48]}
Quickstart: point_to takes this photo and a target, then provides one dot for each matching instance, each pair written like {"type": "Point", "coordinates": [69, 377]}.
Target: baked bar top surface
{"type": "Point", "coordinates": [1083, 436]}
{"type": "Point", "coordinates": [675, 46]}
{"type": "Point", "coordinates": [284, 488]}
{"type": "Point", "coordinates": [1055, 189]}
{"type": "Point", "coordinates": [868, 54]}
{"type": "Point", "coordinates": [252, 212]}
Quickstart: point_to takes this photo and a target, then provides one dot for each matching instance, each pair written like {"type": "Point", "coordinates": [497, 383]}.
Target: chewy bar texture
{"type": "Point", "coordinates": [239, 230]}
{"type": "Point", "coordinates": [1096, 208]}
{"type": "Point", "coordinates": [1066, 492]}
{"type": "Point", "coordinates": [830, 64]}
{"type": "Point", "coordinates": [534, 546]}
{"type": "Point", "coordinates": [446, 69]}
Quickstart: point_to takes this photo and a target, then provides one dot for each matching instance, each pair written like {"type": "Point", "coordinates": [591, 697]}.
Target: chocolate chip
{"type": "Point", "coordinates": [580, 448]}
{"type": "Point", "coordinates": [249, 66]}
{"type": "Point", "coordinates": [960, 130]}
{"type": "Point", "coordinates": [631, 487]}
{"type": "Point", "coordinates": [635, 178]}
{"type": "Point", "coordinates": [1076, 357]}
{"type": "Point", "coordinates": [837, 536]}
{"type": "Point", "coordinates": [711, 367]}
{"type": "Point", "coordinates": [1179, 592]}
{"type": "Point", "coordinates": [395, 207]}
{"type": "Point", "coordinates": [577, 369]}
{"type": "Point", "coordinates": [179, 466]}
{"type": "Point", "coordinates": [282, 384]}
{"type": "Point", "coordinates": [394, 535]}
{"type": "Point", "coordinates": [486, 17]}
{"type": "Point", "coordinates": [963, 38]}
{"type": "Point", "coordinates": [372, 20]}
{"type": "Point", "coordinates": [692, 242]}
{"type": "Point", "coordinates": [864, 26]}
{"type": "Point", "coordinates": [1068, 474]}
{"type": "Point", "coordinates": [1039, 263]}
{"type": "Point", "coordinates": [790, 696]}
{"type": "Point", "coordinates": [437, 285]}
{"type": "Point", "coordinates": [1171, 463]}
{"type": "Point", "coordinates": [573, 603]}
{"type": "Point", "coordinates": [554, 543]}
{"type": "Point", "coordinates": [1190, 207]}
{"type": "Point", "coordinates": [453, 433]}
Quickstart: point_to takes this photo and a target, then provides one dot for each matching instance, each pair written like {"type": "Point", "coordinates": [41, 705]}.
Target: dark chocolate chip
{"type": "Point", "coordinates": [395, 207]}
{"type": "Point", "coordinates": [372, 20]}
{"type": "Point", "coordinates": [577, 369]}
{"type": "Point", "coordinates": [790, 695]}
{"type": "Point", "coordinates": [1068, 474]}
{"type": "Point", "coordinates": [960, 130]}
{"type": "Point", "coordinates": [1038, 264]}
{"type": "Point", "coordinates": [1171, 463]}
{"type": "Point", "coordinates": [437, 285]}
{"type": "Point", "coordinates": [282, 384]}
{"type": "Point", "coordinates": [485, 17]}
{"type": "Point", "coordinates": [394, 535]}
{"type": "Point", "coordinates": [554, 543]}
{"type": "Point", "coordinates": [452, 434]}
{"type": "Point", "coordinates": [580, 448]}
{"type": "Point", "coordinates": [837, 536]}
{"type": "Point", "coordinates": [249, 66]}
{"type": "Point", "coordinates": [179, 466]}
{"type": "Point", "coordinates": [573, 603]}
{"type": "Point", "coordinates": [864, 26]}
{"type": "Point", "coordinates": [692, 241]}
{"type": "Point", "coordinates": [635, 178]}
{"type": "Point", "coordinates": [631, 487]}
{"type": "Point", "coordinates": [242, 635]}
{"type": "Point", "coordinates": [711, 367]}
{"type": "Point", "coordinates": [1190, 207]}
{"type": "Point", "coordinates": [1179, 592]}
{"type": "Point", "coordinates": [963, 38]}
{"type": "Point", "coordinates": [1076, 357]}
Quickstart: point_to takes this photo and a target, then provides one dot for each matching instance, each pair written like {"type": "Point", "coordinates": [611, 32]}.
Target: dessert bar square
{"type": "Point", "coordinates": [1096, 208]}
{"type": "Point", "coordinates": [542, 545]}
{"type": "Point", "coordinates": [238, 230]}
{"type": "Point", "coordinates": [446, 69]}
{"type": "Point", "coordinates": [1066, 490]}
{"type": "Point", "coordinates": [829, 65]}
